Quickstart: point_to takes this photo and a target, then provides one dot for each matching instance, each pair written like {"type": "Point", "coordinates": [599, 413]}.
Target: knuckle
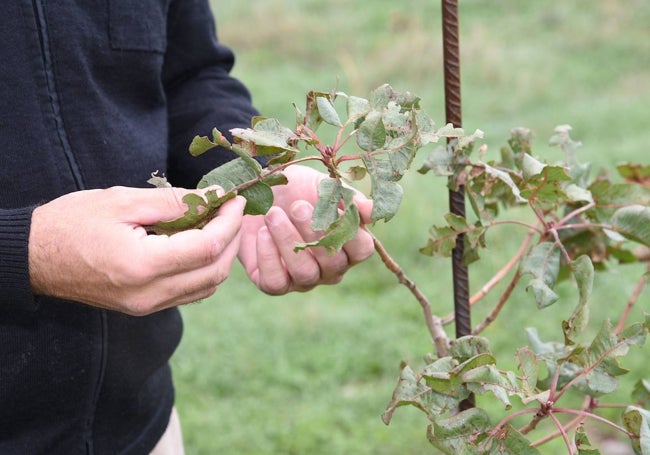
{"type": "Point", "coordinates": [140, 306]}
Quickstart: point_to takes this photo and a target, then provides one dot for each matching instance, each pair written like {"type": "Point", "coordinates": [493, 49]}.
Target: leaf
{"type": "Point", "coordinates": [426, 128]}
{"type": "Point", "coordinates": [327, 111]}
{"type": "Point", "coordinates": [579, 172]}
{"type": "Point", "coordinates": [357, 173]}
{"type": "Point", "coordinates": [466, 347]}
{"type": "Point", "coordinates": [529, 367]}
{"type": "Point", "coordinates": [442, 239]}
{"type": "Point", "coordinates": [231, 174]}
{"type": "Point", "coordinates": [440, 161]}
{"type": "Point", "coordinates": [331, 193]}
{"type": "Point", "coordinates": [551, 353]}
{"type": "Point", "coordinates": [600, 361]}
{"type": "Point", "coordinates": [578, 194]}
{"type": "Point", "coordinates": [609, 197]}
{"type": "Point", "coordinates": [467, 433]}
{"type": "Point", "coordinates": [385, 193]}
{"type": "Point", "coordinates": [637, 173]}
{"type": "Point", "coordinates": [199, 211]}
{"type": "Point", "coordinates": [510, 441]}
{"type": "Point", "coordinates": [546, 186]}
{"type": "Point", "coordinates": [371, 133]}
{"type": "Point", "coordinates": [487, 378]}
{"type": "Point", "coordinates": [531, 166]}
{"type": "Point", "coordinates": [313, 118]}
{"type": "Point", "coordinates": [238, 172]}
{"type": "Point", "coordinates": [637, 422]}
{"type": "Point", "coordinates": [633, 222]}
{"type": "Point", "coordinates": [267, 137]}
{"type": "Point", "coordinates": [543, 262]}
{"type": "Point", "coordinates": [259, 199]}
{"type": "Point", "coordinates": [410, 390]}
{"type": "Point", "coordinates": [458, 434]}
{"type": "Point", "coordinates": [201, 144]}
{"type": "Point", "coordinates": [438, 375]}
{"type": "Point", "coordinates": [582, 442]}
{"type": "Point", "coordinates": [641, 393]}
{"type": "Point", "coordinates": [357, 108]}
{"type": "Point", "coordinates": [159, 181]}
{"type": "Point", "coordinates": [384, 94]}
{"type": "Point", "coordinates": [505, 178]}
{"type": "Point", "coordinates": [583, 272]}
{"type": "Point", "coordinates": [338, 233]}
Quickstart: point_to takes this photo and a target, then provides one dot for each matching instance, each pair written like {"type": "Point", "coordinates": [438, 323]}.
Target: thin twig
{"type": "Point", "coordinates": [500, 275]}
{"type": "Point", "coordinates": [499, 306]}
{"type": "Point", "coordinates": [560, 245]}
{"type": "Point", "coordinates": [434, 324]}
{"type": "Point", "coordinates": [630, 303]}
{"type": "Point", "coordinates": [565, 436]}
{"type": "Point", "coordinates": [576, 212]}
{"type": "Point", "coordinates": [591, 415]}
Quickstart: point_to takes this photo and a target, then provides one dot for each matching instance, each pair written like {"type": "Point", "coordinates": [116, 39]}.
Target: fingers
{"type": "Point", "coordinates": [331, 266]}
{"type": "Point", "coordinates": [195, 248]}
{"type": "Point", "coordinates": [280, 269]}
{"type": "Point", "coordinates": [165, 271]}
{"type": "Point", "coordinates": [269, 273]}
{"type": "Point", "coordinates": [197, 284]}
{"type": "Point", "coordinates": [300, 269]}
{"type": "Point", "coordinates": [151, 205]}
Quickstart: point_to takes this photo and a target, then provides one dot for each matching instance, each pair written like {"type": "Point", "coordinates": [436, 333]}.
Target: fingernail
{"type": "Point", "coordinates": [301, 211]}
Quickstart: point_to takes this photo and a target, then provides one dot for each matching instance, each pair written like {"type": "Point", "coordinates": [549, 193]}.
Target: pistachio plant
{"type": "Point", "coordinates": [578, 225]}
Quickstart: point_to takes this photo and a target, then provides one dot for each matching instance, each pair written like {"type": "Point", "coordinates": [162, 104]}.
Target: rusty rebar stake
{"type": "Point", "coordinates": [453, 114]}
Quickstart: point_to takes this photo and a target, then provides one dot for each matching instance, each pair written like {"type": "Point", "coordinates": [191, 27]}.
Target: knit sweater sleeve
{"type": "Point", "coordinates": [201, 93]}
{"type": "Point", "coordinates": [15, 289]}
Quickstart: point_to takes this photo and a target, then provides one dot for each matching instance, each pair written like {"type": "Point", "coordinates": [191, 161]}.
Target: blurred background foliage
{"type": "Point", "coordinates": [310, 373]}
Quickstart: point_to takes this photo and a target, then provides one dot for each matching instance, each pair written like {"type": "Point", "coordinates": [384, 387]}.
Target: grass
{"type": "Point", "coordinates": [310, 373]}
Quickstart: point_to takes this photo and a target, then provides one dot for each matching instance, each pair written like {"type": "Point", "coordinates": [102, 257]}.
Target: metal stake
{"type": "Point", "coordinates": [451, 56]}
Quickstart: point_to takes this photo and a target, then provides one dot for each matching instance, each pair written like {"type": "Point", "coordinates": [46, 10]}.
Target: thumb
{"type": "Point", "coordinates": [152, 205]}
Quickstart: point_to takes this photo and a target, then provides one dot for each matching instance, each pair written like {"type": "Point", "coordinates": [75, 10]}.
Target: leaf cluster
{"type": "Point", "coordinates": [578, 224]}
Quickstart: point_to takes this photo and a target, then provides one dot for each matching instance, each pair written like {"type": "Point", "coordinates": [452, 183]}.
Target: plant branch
{"type": "Point", "coordinates": [587, 405]}
{"type": "Point", "coordinates": [500, 275]}
{"type": "Point", "coordinates": [576, 212]}
{"type": "Point", "coordinates": [555, 397]}
{"type": "Point", "coordinates": [631, 302]}
{"type": "Point", "coordinates": [338, 144]}
{"type": "Point", "coordinates": [434, 324]}
{"type": "Point", "coordinates": [499, 306]}
{"type": "Point", "coordinates": [560, 245]}
{"type": "Point", "coordinates": [543, 412]}
{"type": "Point", "coordinates": [212, 211]}
{"type": "Point", "coordinates": [565, 436]}
{"type": "Point", "coordinates": [591, 415]}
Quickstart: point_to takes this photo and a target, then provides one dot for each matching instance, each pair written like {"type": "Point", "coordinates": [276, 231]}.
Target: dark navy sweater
{"type": "Point", "coordinates": [96, 93]}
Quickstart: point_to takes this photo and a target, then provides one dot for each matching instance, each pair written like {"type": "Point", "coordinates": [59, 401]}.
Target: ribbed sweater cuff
{"type": "Point", "coordinates": [15, 289]}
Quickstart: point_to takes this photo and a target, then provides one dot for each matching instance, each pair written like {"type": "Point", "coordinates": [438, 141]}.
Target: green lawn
{"type": "Point", "coordinates": [311, 373]}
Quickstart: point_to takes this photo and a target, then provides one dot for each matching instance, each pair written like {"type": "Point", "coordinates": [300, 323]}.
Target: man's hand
{"type": "Point", "coordinates": [268, 241]}
{"type": "Point", "coordinates": [91, 247]}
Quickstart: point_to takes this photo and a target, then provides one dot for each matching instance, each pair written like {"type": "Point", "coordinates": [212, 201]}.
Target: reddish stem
{"type": "Point", "coordinates": [631, 302]}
